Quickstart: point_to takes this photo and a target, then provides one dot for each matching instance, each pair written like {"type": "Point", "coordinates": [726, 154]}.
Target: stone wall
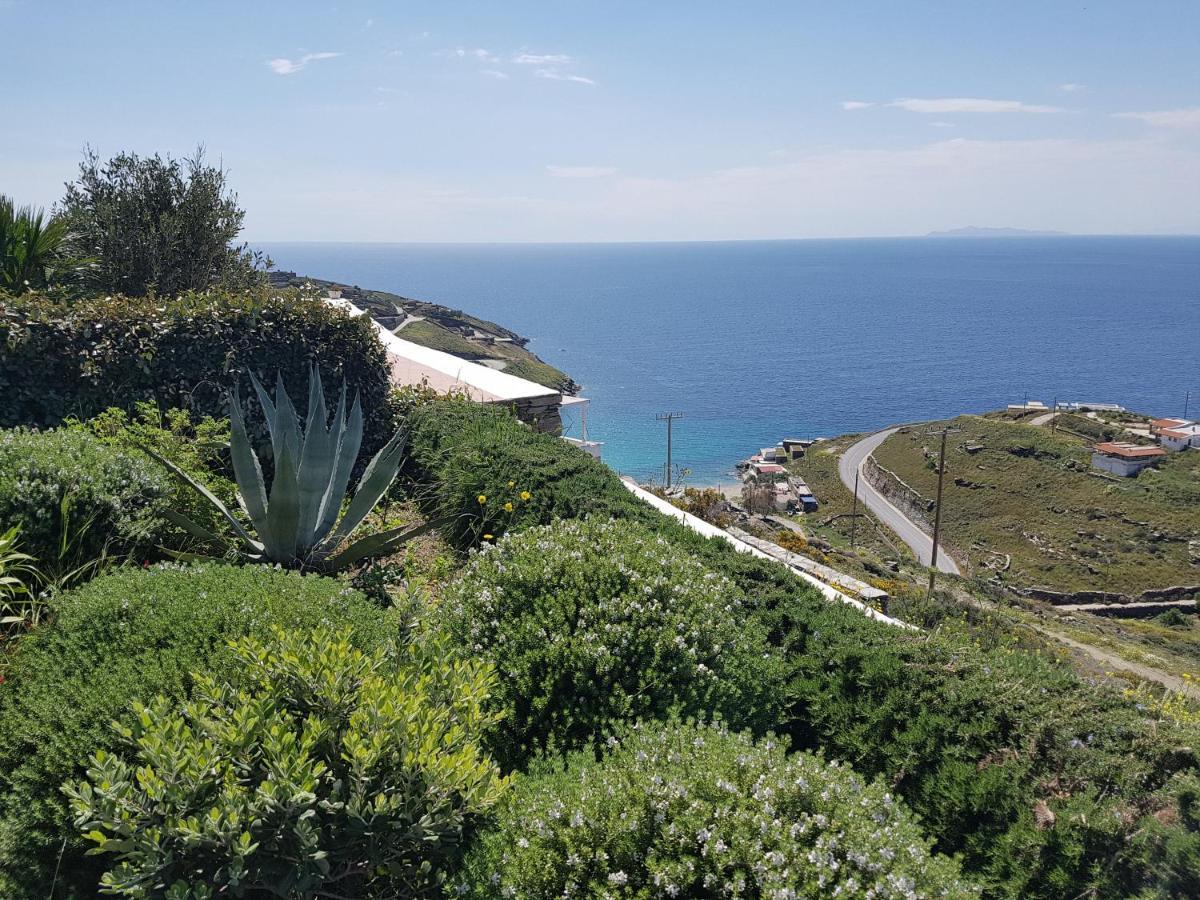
{"type": "Point", "coordinates": [901, 495]}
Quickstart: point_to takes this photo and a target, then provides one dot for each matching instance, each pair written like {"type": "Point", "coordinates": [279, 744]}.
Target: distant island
{"type": "Point", "coordinates": [973, 231]}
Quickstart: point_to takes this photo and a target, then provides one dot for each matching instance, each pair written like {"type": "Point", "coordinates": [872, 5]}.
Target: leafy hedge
{"type": "Point", "coordinates": [590, 624]}
{"type": "Point", "coordinates": [124, 637]}
{"type": "Point", "coordinates": [699, 812]}
{"type": "Point", "coordinates": [75, 497]}
{"type": "Point", "coordinates": [1048, 786]}
{"type": "Point", "coordinates": [62, 361]}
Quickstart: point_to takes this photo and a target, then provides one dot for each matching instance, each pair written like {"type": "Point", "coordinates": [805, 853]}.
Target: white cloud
{"type": "Point", "coordinates": [494, 73]}
{"type": "Point", "coordinates": [1070, 87]}
{"type": "Point", "coordinates": [283, 66]}
{"type": "Point", "coordinates": [855, 104]}
{"type": "Point", "coordinates": [1167, 118]}
{"type": "Point", "coordinates": [941, 124]}
{"type": "Point", "coordinates": [969, 105]}
{"type": "Point", "coordinates": [470, 53]}
{"type": "Point", "coordinates": [1127, 186]}
{"type": "Point", "coordinates": [580, 171]}
{"type": "Point", "coordinates": [556, 75]}
{"type": "Point", "coordinates": [542, 59]}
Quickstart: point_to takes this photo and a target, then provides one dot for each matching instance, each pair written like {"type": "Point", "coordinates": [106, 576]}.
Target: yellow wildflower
{"type": "Point", "coordinates": [482, 498]}
{"type": "Point", "coordinates": [508, 507]}
{"type": "Point", "coordinates": [488, 537]}
{"type": "Point", "coordinates": [525, 495]}
{"type": "Point", "coordinates": [512, 484]}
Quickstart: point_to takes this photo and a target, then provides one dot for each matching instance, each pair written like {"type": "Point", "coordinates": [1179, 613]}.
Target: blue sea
{"type": "Point", "coordinates": [757, 341]}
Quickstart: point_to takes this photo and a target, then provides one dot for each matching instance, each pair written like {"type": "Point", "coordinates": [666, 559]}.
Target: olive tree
{"type": "Point", "coordinates": [156, 223]}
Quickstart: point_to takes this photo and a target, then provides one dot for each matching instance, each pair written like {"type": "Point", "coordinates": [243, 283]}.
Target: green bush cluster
{"type": "Point", "coordinates": [460, 451]}
{"type": "Point", "coordinates": [1048, 786]}
{"type": "Point", "coordinates": [76, 498]}
{"type": "Point", "coordinates": [187, 352]}
{"type": "Point", "coordinates": [593, 623]}
{"type": "Point", "coordinates": [123, 637]}
{"type": "Point", "coordinates": [316, 767]}
{"type": "Point", "coordinates": [701, 812]}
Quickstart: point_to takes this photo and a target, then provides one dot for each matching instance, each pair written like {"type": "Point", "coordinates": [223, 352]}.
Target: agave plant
{"type": "Point", "coordinates": [298, 522]}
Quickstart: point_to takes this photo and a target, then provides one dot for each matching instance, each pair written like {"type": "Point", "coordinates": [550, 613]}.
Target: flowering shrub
{"type": "Point", "coordinates": [700, 812]}
{"type": "Point", "coordinates": [319, 767]}
{"type": "Point", "coordinates": [127, 636]}
{"type": "Point", "coordinates": [76, 498]}
{"type": "Point", "coordinates": [598, 621]}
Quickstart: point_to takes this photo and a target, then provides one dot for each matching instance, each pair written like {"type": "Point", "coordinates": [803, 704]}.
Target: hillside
{"type": "Point", "coordinates": [1022, 500]}
{"type": "Point", "coordinates": [442, 328]}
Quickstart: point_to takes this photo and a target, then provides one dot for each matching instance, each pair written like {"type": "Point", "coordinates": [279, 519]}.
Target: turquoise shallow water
{"type": "Point", "coordinates": [755, 341]}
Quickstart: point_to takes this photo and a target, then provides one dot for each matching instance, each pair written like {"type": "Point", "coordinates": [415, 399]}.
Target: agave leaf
{"type": "Point", "coordinates": [283, 507]}
{"type": "Point", "coordinates": [246, 469]}
{"type": "Point", "coordinates": [381, 543]}
{"type": "Point", "coordinates": [206, 494]}
{"type": "Point", "coordinates": [336, 433]}
{"type": "Point", "coordinates": [287, 421]}
{"type": "Point", "coordinates": [318, 461]}
{"type": "Point", "coordinates": [268, 407]}
{"type": "Point", "coordinates": [347, 450]}
{"type": "Point", "coordinates": [378, 477]}
{"type": "Point", "coordinates": [192, 528]}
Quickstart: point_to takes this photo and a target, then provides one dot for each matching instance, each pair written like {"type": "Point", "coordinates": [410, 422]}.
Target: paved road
{"type": "Point", "coordinates": [1043, 419]}
{"type": "Point", "coordinates": [908, 530]}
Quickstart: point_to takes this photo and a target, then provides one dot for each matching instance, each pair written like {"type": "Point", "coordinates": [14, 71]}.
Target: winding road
{"type": "Point", "coordinates": [852, 461]}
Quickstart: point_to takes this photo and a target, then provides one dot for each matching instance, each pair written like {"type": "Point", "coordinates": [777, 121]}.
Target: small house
{"type": "Point", "coordinates": [1180, 437]}
{"type": "Point", "coordinates": [1159, 425]}
{"type": "Point", "coordinates": [1125, 459]}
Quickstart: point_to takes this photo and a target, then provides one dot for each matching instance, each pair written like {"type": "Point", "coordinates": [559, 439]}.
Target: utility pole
{"type": "Point", "coordinates": [1054, 416]}
{"type": "Point", "coordinates": [669, 418]}
{"type": "Point", "coordinates": [1187, 398]}
{"type": "Point", "coordinates": [854, 514]}
{"type": "Point", "coordinates": [937, 510]}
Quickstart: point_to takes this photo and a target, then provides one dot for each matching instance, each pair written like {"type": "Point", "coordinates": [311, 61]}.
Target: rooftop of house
{"type": "Point", "coordinates": [1170, 423]}
{"type": "Point", "coordinates": [414, 364]}
{"type": "Point", "coordinates": [1188, 429]}
{"type": "Point", "coordinates": [1123, 450]}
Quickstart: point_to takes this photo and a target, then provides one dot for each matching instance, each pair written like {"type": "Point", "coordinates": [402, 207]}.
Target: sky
{"type": "Point", "coordinates": [625, 121]}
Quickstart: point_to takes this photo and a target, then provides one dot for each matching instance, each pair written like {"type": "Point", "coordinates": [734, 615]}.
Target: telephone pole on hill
{"type": "Point", "coordinates": [669, 418]}
{"type": "Point", "coordinates": [937, 509]}
{"type": "Point", "coordinates": [854, 514]}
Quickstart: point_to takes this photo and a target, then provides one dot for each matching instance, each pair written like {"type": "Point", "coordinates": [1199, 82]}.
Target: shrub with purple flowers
{"type": "Point", "coordinates": [696, 811]}
{"type": "Point", "coordinates": [594, 622]}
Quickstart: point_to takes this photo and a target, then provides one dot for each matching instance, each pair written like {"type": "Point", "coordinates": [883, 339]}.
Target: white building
{"type": "Point", "coordinates": [537, 405]}
{"type": "Point", "coordinates": [1180, 437]}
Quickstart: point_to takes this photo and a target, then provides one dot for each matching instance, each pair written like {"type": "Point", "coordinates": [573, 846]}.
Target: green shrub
{"type": "Point", "coordinates": [76, 498]}
{"type": "Point", "coordinates": [318, 767]}
{"type": "Point", "coordinates": [594, 623]}
{"type": "Point", "coordinates": [1046, 784]}
{"type": "Point", "coordinates": [186, 353]}
{"type": "Point", "coordinates": [198, 447]}
{"type": "Point", "coordinates": [699, 812]}
{"type": "Point", "coordinates": [127, 636]}
{"type": "Point", "coordinates": [461, 450]}
{"type": "Point", "coordinates": [1040, 781]}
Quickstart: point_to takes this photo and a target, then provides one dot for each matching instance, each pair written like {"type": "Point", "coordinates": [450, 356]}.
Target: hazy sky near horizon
{"type": "Point", "coordinates": [517, 121]}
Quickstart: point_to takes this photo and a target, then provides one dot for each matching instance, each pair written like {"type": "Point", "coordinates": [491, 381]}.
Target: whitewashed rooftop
{"type": "Point", "coordinates": [413, 364]}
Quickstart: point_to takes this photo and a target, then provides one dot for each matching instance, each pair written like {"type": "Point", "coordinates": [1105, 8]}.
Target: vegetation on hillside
{"type": "Point", "coordinates": [1023, 501]}
{"type": "Point", "coordinates": [441, 328]}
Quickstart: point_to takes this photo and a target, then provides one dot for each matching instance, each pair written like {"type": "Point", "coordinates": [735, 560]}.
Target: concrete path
{"type": "Point", "coordinates": [908, 531]}
{"type": "Point", "coordinates": [1043, 419]}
